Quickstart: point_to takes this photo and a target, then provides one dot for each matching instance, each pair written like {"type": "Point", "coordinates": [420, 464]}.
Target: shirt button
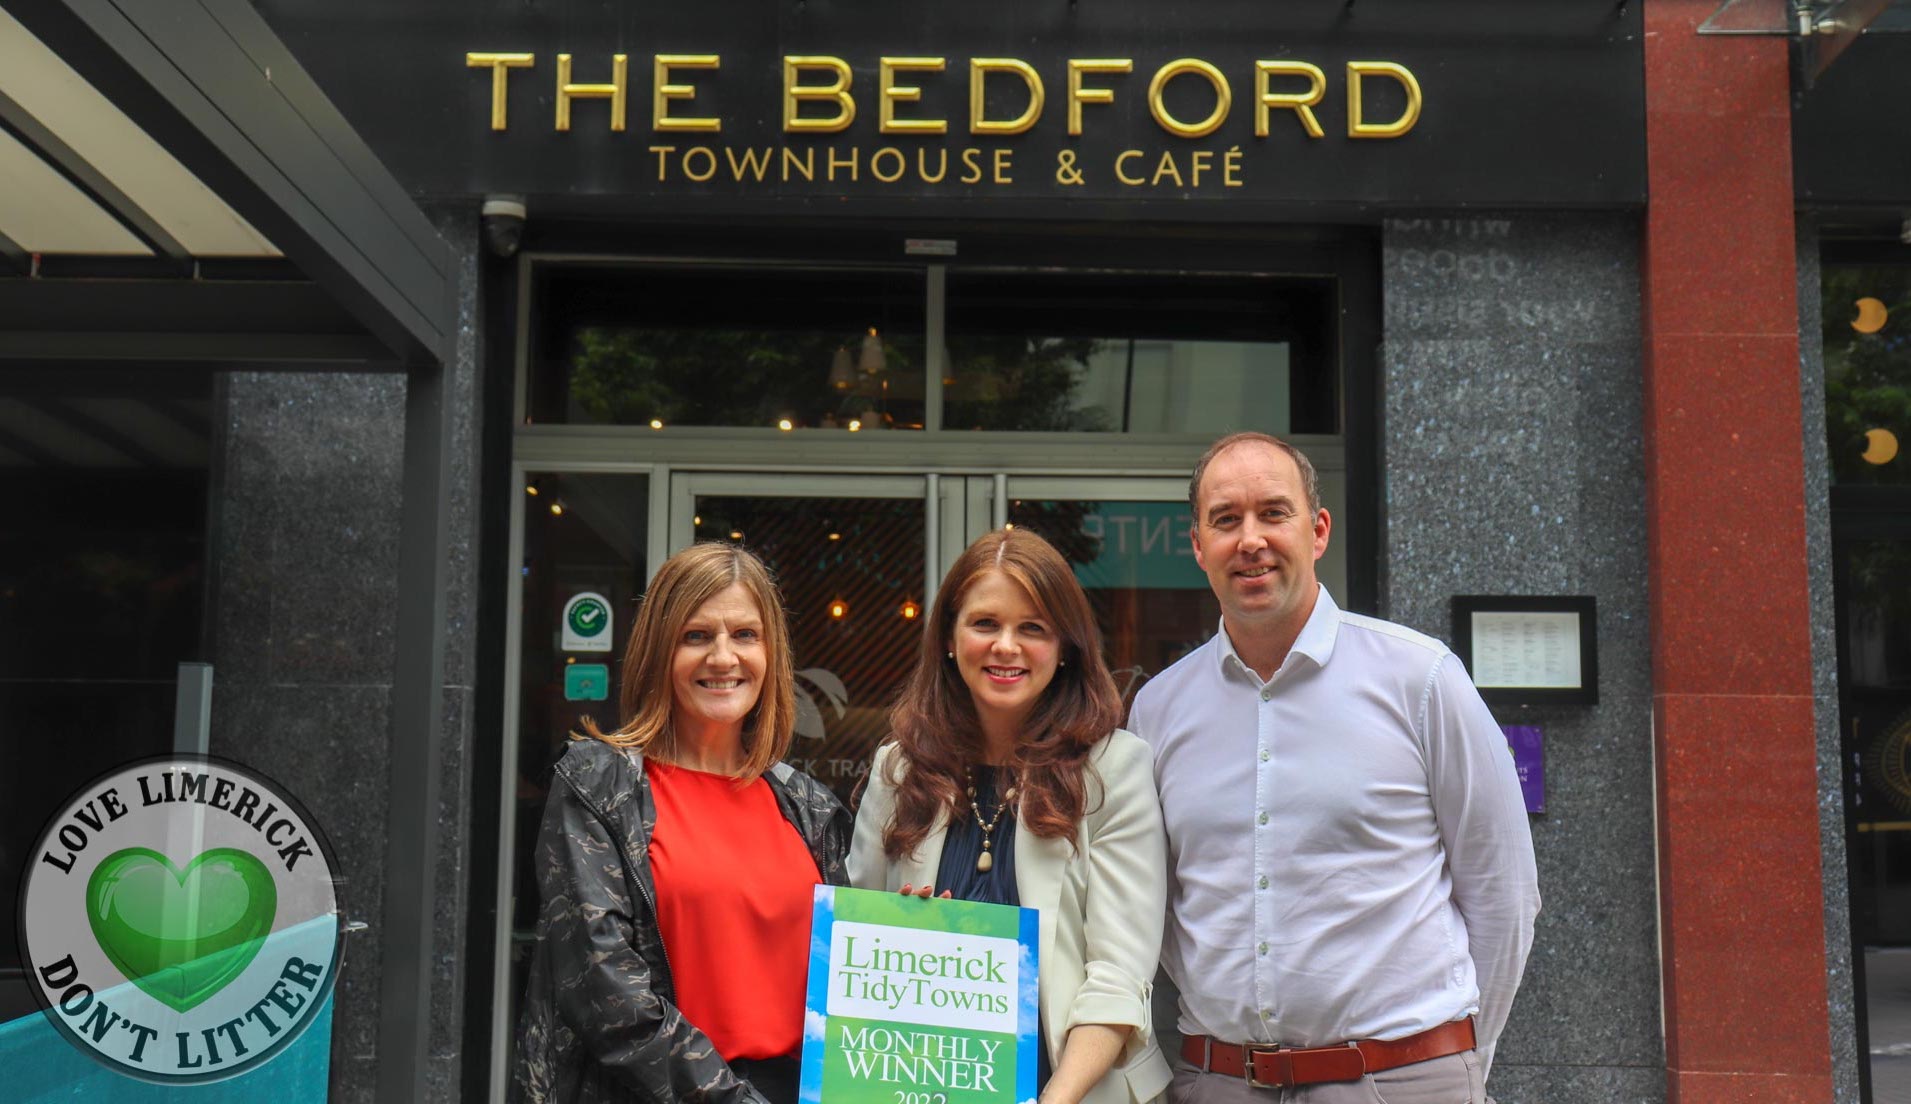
{"type": "Point", "coordinates": [1263, 882]}
{"type": "Point", "coordinates": [1264, 755]}
{"type": "Point", "coordinates": [1266, 694]}
{"type": "Point", "coordinates": [1263, 948]}
{"type": "Point", "coordinates": [1263, 818]}
{"type": "Point", "coordinates": [1267, 1013]}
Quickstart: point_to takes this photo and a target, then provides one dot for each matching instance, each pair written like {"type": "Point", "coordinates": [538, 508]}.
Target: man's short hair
{"type": "Point", "coordinates": [1310, 479]}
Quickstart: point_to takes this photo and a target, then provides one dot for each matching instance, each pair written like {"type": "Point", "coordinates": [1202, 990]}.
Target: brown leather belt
{"type": "Point", "coordinates": [1268, 1066]}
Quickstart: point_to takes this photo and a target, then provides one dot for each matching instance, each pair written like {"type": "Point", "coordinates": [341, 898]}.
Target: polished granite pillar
{"type": "Point", "coordinates": [1742, 923]}
{"type": "Point", "coordinates": [306, 489]}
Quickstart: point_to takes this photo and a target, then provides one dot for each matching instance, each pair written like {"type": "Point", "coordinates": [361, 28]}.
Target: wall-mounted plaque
{"type": "Point", "coordinates": [1525, 650]}
{"type": "Point", "coordinates": [1528, 745]}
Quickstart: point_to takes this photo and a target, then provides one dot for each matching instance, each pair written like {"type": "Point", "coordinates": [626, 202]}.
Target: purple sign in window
{"type": "Point", "coordinates": [1528, 745]}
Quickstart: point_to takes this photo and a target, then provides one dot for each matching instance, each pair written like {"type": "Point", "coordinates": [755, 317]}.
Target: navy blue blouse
{"type": "Point", "coordinates": [962, 846]}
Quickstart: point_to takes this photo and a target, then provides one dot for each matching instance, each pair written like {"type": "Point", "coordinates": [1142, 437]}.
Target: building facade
{"type": "Point", "coordinates": [1560, 298]}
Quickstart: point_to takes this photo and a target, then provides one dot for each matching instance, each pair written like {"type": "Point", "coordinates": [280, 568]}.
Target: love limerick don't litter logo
{"type": "Point", "coordinates": [179, 920]}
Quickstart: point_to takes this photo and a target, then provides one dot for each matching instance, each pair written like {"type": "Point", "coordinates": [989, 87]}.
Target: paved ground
{"type": "Point", "coordinates": [1888, 1000]}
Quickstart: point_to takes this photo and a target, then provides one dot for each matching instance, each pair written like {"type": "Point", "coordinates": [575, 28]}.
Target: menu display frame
{"type": "Point", "coordinates": [1529, 649]}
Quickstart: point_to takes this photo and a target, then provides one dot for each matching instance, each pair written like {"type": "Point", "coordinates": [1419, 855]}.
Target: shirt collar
{"type": "Point", "coordinates": [1316, 640]}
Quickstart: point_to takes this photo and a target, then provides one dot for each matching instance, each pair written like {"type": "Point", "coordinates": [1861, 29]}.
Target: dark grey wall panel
{"type": "Point", "coordinates": [1513, 465]}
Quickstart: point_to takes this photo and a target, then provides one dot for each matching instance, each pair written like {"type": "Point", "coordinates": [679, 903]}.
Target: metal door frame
{"type": "Point", "coordinates": [959, 506]}
{"type": "Point", "coordinates": [966, 478]}
{"type": "Point", "coordinates": [521, 471]}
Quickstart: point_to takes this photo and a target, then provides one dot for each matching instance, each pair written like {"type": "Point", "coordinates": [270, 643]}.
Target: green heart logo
{"type": "Point", "coordinates": [181, 935]}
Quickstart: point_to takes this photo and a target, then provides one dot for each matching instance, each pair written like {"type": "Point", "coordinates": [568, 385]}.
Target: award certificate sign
{"type": "Point", "coordinates": [919, 1002]}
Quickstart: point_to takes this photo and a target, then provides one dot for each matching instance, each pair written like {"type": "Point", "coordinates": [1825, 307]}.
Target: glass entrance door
{"type": "Point", "coordinates": [683, 395]}
{"type": "Point", "coordinates": [858, 559]}
{"type": "Point", "coordinates": [1128, 541]}
{"type": "Point", "coordinates": [1870, 567]}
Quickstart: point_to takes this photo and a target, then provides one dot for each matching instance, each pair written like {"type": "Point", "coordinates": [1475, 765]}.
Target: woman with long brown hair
{"type": "Point", "coordinates": [678, 859]}
{"type": "Point", "coordinates": [1009, 781]}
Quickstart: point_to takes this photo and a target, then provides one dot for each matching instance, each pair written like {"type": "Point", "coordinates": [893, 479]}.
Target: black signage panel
{"type": "Point", "coordinates": [1851, 137]}
{"type": "Point", "coordinates": [992, 106]}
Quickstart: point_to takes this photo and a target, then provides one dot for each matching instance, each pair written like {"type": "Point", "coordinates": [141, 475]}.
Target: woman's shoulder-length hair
{"type": "Point", "coordinates": [680, 588]}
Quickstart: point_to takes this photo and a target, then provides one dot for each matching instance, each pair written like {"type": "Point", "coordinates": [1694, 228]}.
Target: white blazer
{"type": "Point", "coordinates": [1101, 904]}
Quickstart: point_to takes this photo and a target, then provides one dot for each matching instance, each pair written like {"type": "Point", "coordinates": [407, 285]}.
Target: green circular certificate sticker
{"type": "Point", "coordinates": [179, 920]}
{"type": "Point", "coordinates": [586, 624]}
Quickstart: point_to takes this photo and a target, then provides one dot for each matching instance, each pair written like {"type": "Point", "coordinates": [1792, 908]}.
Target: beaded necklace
{"type": "Point", "coordinates": [985, 861]}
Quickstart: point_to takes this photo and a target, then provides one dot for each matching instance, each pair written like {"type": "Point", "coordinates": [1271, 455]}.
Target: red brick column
{"type": "Point", "coordinates": [1741, 913]}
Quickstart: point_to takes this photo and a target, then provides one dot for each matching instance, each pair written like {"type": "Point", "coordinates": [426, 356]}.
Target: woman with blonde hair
{"type": "Point", "coordinates": [1008, 781]}
{"type": "Point", "coordinates": [677, 862]}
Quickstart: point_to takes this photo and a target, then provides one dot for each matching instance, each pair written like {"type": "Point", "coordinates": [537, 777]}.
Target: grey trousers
{"type": "Point", "coordinates": [1454, 1079]}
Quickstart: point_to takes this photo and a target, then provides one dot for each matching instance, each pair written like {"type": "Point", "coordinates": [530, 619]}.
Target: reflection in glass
{"type": "Point", "coordinates": [582, 534]}
{"type": "Point", "coordinates": [1865, 318]}
{"type": "Point", "coordinates": [851, 573]}
{"type": "Point", "coordinates": [1124, 385]}
{"type": "Point", "coordinates": [1875, 703]}
{"type": "Point", "coordinates": [1879, 745]}
{"type": "Point", "coordinates": [1137, 566]}
{"type": "Point", "coordinates": [723, 347]}
{"type": "Point", "coordinates": [103, 490]}
{"type": "Point", "coordinates": [1865, 311]}
{"type": "Point", "coordinates": [1139, 354]}
{"type": "Point", "coordinates": [1877, 601]}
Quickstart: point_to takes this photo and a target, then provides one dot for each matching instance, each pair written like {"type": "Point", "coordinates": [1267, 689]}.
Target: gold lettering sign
{"type": "Point", "coordinates": [1078, 95]}
{"type": "Point", "coordinates": [1300, 103]}
{"type": "Point", "coordinates": [979, 69]}
{"type": "Point", "coordinates": [817, 99]}
{"type": "Point", "coordinates": [500, 66]}
{"type": "Point", "coordinates": [615, 91]}
{"type": "Point", "coordinates": [1223, 98]}
{"type": "Point", "coordinates": [794, 91]}
{"type": "Point", "coordinates": [1357, 125]}
{"type": "Point", "coordinates": [889, 94]}
{"type": "Point", "coordinates": [663, 91]}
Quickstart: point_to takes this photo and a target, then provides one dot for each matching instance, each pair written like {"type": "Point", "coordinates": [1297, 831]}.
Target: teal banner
{"type": "Point", "coordinates": [1141, 546]}
{"type": "Point", "coordinates": [42, 1067]}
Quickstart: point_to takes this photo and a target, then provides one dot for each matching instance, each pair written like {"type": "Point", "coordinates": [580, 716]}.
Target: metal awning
{"type": "Point", "coordinates": [1820, 30]}
{"type": "Point", "coordinates": [174, 188]}
{"type": "Point", "coordinates": [1806, 17]}
{"type": "Point", "coordinates": [175, 191]}
{"type": "Point", "coordinates": [79, 177]}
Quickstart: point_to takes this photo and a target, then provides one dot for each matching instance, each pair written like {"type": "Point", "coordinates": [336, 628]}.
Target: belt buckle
{"type": "Point", "coordinates": [1276, 1051]}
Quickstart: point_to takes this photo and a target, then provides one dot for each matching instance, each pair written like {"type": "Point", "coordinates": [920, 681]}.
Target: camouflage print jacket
{"type": "Point", "coordinates": [600, 1020]}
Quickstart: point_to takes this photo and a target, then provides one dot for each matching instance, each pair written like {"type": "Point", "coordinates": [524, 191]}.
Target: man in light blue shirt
{"type": "Point", "coordinates": [1352, 887]}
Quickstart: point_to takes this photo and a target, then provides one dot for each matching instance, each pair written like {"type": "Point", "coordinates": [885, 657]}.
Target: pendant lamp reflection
{"type": "Point", "coordinates": [842, 374]}
{"type": "Point", "coordinates": [871, 362]}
